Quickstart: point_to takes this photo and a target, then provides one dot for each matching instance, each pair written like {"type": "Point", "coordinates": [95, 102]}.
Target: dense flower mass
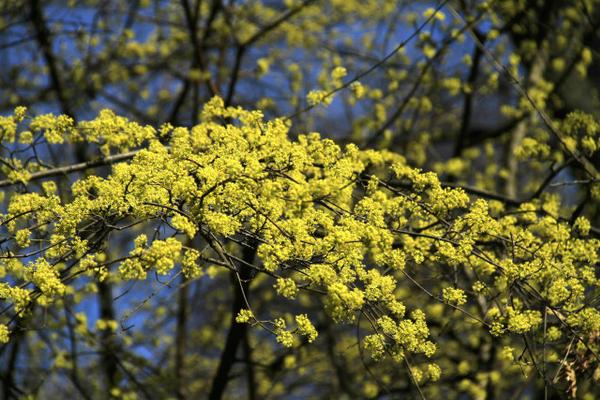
{"type": "Point", "coordinates": [343, 225]}
{"type": "Point", "coordinates": [438, 238]}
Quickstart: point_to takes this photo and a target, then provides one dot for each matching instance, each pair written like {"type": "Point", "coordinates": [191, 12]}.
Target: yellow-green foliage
{"type": "Point", "coordinates": [335, 222]}
{"type": "Point", "coordinates": [439, 236]}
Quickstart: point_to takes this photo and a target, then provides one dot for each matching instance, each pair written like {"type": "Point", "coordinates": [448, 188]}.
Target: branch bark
{"type": "Point", "coordinates": [237, 331]}
{"type": "Point", "coordinates": [181, 339]}
{"type": "Point", "coordinates": [109, 359]}
{"type": "Point", "coordinates": [68, 169]}
{"type": "Point", "coordinates": [43, 37]}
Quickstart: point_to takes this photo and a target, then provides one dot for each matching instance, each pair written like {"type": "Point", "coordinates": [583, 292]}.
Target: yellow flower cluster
{"type": "Point", "coordinates": [316, 97]}
{"type": "Point", "coordinates": [306, 328]}
{"type": "Point", "coordinates": [46, 278]}
{"type": "Point", "coordinates": [106, 325]}
{"type": "Point", "coordinates": [189, 264]}
{"type": "Point", "coordinates": [286, 287]}
{"type": "Point", "coordinates": [522, 322]}
{"type": "Point", "coordinates": [18, 296]}
{"type": "Point", "coordinates": [454, 296]}
{"type": "Point", "coordinates": [4, 334]}
{"type": "Point", "coordinates": [347, 223]}
{"type": "Point", "coordinates": [8, 124]}
{"type": "Point", "coordinates": [114, 132]}
{"type": "Point", "coordinates": [244, 315]}
{"type": "Point", "coordinates": [161, 255]}
{"type": "Point", "coordinates": [283, 336]}
{"type": "Point", "coordinates": [55, 128]}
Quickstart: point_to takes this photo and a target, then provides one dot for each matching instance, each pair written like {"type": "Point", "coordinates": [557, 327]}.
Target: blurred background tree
{"type": "Point", "coordinates": [481, 92]}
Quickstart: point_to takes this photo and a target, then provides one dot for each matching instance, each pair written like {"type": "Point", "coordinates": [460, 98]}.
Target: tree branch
{"type": "Point", "coordinates": [237, 331]}
{"type": "Point", "coordinates": [68, 169]}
